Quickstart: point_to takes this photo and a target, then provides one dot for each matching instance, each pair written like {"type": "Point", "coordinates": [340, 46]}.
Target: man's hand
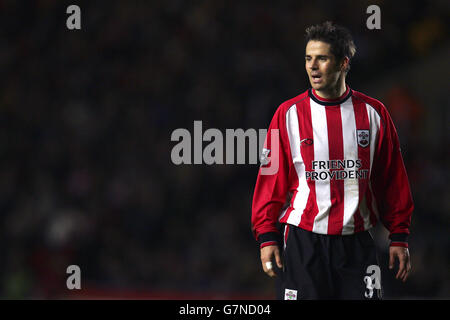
{"type": "Point", "coordinates": [404, 261]}
{"type": "Point", "coordinates": [268, 254]}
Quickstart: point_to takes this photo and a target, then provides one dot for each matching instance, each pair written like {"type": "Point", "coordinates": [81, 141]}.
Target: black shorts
{"type": "Point", "coordinates": [317, 266]}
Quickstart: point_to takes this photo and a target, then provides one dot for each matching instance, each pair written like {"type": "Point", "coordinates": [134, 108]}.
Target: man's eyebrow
{"type": "Point", "coordinates": [318, 56]}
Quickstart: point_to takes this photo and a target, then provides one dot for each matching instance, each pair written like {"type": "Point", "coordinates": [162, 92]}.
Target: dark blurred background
{"type": "Point", "coordinates": [86, 117]}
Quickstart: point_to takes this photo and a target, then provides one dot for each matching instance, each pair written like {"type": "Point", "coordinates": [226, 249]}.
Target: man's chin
{"type": "Point", "coordinates": [317, 86]}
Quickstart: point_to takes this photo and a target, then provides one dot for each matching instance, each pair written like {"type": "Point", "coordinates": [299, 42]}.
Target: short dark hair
{"type": "Point", "coordinates": [338, 37]}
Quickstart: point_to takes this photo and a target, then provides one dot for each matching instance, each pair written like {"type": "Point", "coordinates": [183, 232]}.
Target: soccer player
{"type": "Point", "coordinates": [340, 170]}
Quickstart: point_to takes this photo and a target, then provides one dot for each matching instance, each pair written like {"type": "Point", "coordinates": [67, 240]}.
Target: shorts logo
{"type": "Point", "coordinates": [363, 137]}
{"type": "Point", "coordinates": [290, 294]}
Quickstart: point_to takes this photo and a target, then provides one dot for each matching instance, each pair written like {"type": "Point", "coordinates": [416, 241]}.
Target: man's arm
{"type": "Point", "coordinates": [393, 195]}
{"type": "Point", "coordinates": [270, 191]}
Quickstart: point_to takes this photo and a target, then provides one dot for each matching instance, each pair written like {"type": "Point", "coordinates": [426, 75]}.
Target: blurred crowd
{"type": "Point", "coordinates": [86, 118]}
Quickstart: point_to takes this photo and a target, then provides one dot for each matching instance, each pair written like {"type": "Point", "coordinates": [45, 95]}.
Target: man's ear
{"type": "Point", "coordinates": [345, 64]}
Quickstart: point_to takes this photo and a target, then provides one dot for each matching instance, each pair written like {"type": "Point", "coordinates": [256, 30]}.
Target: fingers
{"type": "Point", "coordinates": [267, 255]}
{"type": "Point", "coordinates": [408, 270]}
{"type": "Point", "coordinates": [404, 262]}
{"type": "Point", "coordinates": [391, 259]}
{"type": "Point", "coordinates": [278, 258]}
{"type": "Point", "coordinates": [401, 267]}
{"type": "Point", "coordinates": [403, 275]}
{"type": "Point", "coordinates": [407, 267]}
{"type": "Point", "coordinates": [268, 268]}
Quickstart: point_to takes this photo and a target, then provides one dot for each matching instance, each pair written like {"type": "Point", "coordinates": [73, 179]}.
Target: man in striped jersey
{"type": "Point", "coordinates": [340, 170]}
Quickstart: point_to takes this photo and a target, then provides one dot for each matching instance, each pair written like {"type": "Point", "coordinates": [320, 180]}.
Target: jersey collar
{"type": "Point", "coordinates": [330, 102]}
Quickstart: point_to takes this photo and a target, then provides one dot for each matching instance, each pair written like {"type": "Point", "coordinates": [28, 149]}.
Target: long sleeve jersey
{"type": "Point", "coordinates": [341, 165]}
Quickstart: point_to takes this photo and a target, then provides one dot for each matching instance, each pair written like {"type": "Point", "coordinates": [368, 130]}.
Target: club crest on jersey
{"type": "Point", "coordinates": [363, 137]}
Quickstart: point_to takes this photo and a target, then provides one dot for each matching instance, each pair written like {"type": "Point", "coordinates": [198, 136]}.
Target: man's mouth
{"type": "Point", "coordinates": [316, 78]}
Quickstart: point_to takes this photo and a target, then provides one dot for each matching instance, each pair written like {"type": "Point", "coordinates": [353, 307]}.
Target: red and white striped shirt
{"type": "Point", "coordinates": [341, 162]}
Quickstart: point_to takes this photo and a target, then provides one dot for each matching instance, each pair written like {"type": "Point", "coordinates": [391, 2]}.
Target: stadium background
{"type": "Point", "coordinates": [86, 118]}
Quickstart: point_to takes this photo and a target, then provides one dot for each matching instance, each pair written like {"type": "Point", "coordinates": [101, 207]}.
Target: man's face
{"type": "Point", "coordinates": [321, 65]}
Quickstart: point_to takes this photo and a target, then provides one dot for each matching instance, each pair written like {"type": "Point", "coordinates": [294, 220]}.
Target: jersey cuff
{"type": "Point", "coordinates": [399, 240]}
{"type": "Point", "coordinates": [399, 237]}
{"type": "Point", "coordinates": [269, 239]}
{"type": "Point", "coordinates": [398, 244]}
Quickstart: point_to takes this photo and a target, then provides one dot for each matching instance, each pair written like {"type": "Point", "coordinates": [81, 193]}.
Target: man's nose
{"type": "Point", "coordinates": [312, 64]}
